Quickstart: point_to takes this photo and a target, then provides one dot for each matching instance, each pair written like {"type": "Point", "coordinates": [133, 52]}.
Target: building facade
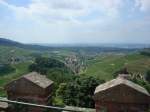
{"type": "Point", "coordinates": [121, 95]}
{"type": "Point", "coordinates": [32, 88]}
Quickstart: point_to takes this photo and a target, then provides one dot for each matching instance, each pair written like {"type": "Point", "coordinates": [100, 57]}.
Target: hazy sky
{"type": "Point", "coordinates": [75, 21]}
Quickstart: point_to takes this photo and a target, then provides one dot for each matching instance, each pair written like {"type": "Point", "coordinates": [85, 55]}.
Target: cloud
{"type": "Point", "coordinates": [65, 10]}
{"type": "Point", "coordinates": [144, 5]}
{"type": "Point", "coordinates": [72, 10]}
{"type": "Point", "coordinates": [77, 20]}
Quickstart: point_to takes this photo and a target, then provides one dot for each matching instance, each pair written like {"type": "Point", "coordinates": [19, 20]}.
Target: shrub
{"type": "Point", "coordinates": [5, 69]}
{"type": "Point", "coordinates": [147, 76]}
{"type": "Point", "coordinates": [79, 92]}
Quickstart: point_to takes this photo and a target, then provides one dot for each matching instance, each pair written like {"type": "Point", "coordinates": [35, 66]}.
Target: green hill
{"type": "Point", "coordinates": [7, 54]}
{"type": "Point", "coordinates": [104, 66]}
{"type": "Point", "coordinates": [20, 69]}
{"type": "Point", "coordinates": [11, 43]}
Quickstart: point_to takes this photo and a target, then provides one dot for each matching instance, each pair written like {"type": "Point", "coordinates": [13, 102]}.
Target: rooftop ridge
{"type": "Point", "coordinates": [119, 81]}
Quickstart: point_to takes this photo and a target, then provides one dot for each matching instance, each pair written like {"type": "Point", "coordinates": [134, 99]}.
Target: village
{"type": "Point", "coordinates": [117, 95]}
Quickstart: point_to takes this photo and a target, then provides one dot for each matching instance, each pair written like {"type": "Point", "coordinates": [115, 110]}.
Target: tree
{"type": "Point", "coordinates": [147, 77]}
{"type": "Point", "coordinates": [53, 69]}
{"type": "Point", "coordinates": [79, 92]}
{"type": "Point", "coordinates": [142, 83]}
{"type": "Point", "coordinates": [43, 64]}
{"type": "Point", "coordinates": [145, 53]}
{"type": "Point", "coordinates": [6, 68]}
{"type": "Point", "coordinates": [58, 99]}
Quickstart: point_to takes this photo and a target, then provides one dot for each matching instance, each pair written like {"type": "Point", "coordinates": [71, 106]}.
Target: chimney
{"type": "Point", "coordinates": [124, 76]}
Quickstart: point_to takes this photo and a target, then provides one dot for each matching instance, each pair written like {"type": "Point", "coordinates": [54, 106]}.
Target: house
{"type": "Point", "coordinates": [121, 95]}
{"type": "Point", "coordinates": [33, 88]}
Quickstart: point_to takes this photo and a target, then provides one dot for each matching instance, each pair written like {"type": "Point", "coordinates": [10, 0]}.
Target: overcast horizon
{"type": "Point", "coordinates": [76, 21]}
{"type": "Point", "coordinates": [38, 43]}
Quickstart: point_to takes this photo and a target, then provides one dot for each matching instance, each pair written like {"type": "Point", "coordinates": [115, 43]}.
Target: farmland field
{"type": "Point", "coordinates": [104, 66]}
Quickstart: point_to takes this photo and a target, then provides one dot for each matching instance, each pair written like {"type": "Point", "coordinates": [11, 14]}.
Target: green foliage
{"type": "Point", "coordinates": [147, 77]}
{"type": "Point", "coordinates": [5, 69]}
{"type": "Point", "coordinates": [61, 89]}
{"type": "Point", "coordinates": [54, 69]}
{"type": "Point", "coordinates": [146, 53]}
{"type": "Point", "coordinates": [60, 75]}
{"type": "Point", "coordinates": [79, 92]}
{"type": "Point", "coordinates": [58, 99]}
{"type": "Point", "coordinates": [142, 83]}
{"type": "Point", "coordinates": [43, 64]}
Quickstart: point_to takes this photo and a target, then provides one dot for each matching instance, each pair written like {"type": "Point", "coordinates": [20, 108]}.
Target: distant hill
{"type": "Point", "coordinates": [15, 52]}
{"type": "Point", "coordinates": [7, 42]}
{"type": "Point", "coordinates": [87, 49]}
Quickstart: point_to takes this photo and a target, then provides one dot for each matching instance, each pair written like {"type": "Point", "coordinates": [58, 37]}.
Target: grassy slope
{"type": "Point", "coordinates": [8, 52]}
{"type": "Point", "coordinates": [17, 51]}
{"type": "Point", "coordinates": [103, 66]}
{"type": "Point", "coordinates": [20, 70]}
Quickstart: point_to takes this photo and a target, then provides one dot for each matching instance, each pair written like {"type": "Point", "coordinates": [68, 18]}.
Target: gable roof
{"type": "Point", "coordinates": [35, 78]}
{"type": "Point", "coordinates": [38, 79]}
{"type": "Point", "coordinates": [119, 81]}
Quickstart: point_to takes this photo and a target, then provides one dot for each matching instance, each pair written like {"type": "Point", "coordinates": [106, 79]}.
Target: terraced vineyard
{"type": "Point", "coordinates": [104, 66]}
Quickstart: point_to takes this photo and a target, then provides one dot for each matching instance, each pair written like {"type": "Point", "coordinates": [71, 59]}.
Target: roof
{"type": "Point", "coordinates": [38, 79]}
{"type": "Point", "coordinates": [125, 76]}
{"type": "Point", "coordinates": [3, 105]}
{"type": "Point", "coordinates": [119, 81]}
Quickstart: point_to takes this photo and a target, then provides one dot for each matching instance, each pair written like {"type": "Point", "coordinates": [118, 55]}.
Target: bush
{"type": "Point", "coordinates": [145, 53]}
{"type": "Point", "coordinates": [142, 83]}
{"type": "Point", "coordinates": [43, 64]}
{"type": "Point", "coordinates": [147, 76]}
{"type": "Point", "coordinates": [79, 92]}
{"type": "Point", "coordinates": [5, 69]}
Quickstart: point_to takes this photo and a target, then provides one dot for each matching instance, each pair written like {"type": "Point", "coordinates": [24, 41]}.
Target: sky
{"type": "Point", "coordinates": [75, 21]}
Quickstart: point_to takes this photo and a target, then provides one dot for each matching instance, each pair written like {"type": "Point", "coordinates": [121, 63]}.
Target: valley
{"type": "Point", "coordinates": [71, 65]}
